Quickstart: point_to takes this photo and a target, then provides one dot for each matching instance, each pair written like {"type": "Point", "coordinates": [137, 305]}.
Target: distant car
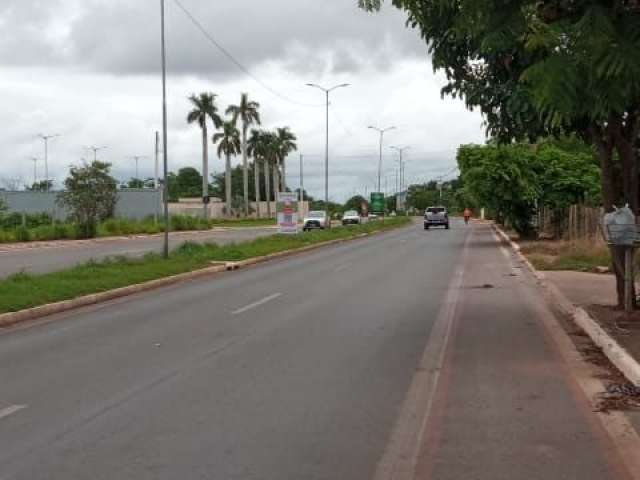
{"type": "Point", "coordinates": [316, 219]}
{"type": "Point", "coordinates": [351, 217]}
{"type": "Point", "coordinates": [436, 217]}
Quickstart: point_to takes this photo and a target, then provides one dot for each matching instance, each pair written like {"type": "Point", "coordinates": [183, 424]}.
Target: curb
{"type": "Point", "coordinates": [14, 318]}
{"type": "Point", "coordinates": [615, 352]}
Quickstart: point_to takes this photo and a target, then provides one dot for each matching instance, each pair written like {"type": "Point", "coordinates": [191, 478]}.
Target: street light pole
{"type": "Point", "coordinates": [95, 151]}
{"type": "Point", "coordinates": [327, 91]}
{"type": "Point", "coordinates": [46, 139]}
{"type": "Point", "coordinates": [400, 151]}
{"type": "Point", "coordinates": [164, 135]}
{"type": "Point", "coordinates": [381, 131]}
{"type": "Point", "coordinates": [137, 158]}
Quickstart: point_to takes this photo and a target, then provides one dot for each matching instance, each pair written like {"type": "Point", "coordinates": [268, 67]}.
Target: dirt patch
{"type": "Point", "coordinates": [618, 395]}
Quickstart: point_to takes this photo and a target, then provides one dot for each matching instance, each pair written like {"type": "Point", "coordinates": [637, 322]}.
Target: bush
{"type": "Point", "coordinates": [22, 234]}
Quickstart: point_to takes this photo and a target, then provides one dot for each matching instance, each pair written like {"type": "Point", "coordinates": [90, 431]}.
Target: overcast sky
{"type": "Point", "coordinates": [89, 70]}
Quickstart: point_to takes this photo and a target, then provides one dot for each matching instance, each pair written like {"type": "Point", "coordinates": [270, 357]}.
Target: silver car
{"type": "Point", "coordinates": [436, 217]}
{"type": "Point", "coordinates": [316, 219]}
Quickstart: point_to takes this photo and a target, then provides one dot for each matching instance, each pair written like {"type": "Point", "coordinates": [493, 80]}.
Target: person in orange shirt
{"type": "Point", "coordinates": [467, 215]}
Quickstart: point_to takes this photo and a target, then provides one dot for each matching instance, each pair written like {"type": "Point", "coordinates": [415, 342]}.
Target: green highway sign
{"type": "Point", "coordinates": [377, 203]}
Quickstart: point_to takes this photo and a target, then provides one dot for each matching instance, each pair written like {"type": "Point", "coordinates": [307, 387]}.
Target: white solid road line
{"type": "Point", "coordinates": [342, 267]}
{"type": "Point", "coordinates": [253, 305]}
{"type": "Point", "coordinates": [11, 410]}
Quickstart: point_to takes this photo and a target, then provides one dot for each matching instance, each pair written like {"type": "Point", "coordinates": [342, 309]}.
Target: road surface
{"type": "Point", "coordinates": [302, 369]}
{"type": "Point", "coordinates": [52, 256]}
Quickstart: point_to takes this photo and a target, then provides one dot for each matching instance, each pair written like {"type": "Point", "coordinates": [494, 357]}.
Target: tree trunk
{"type": "Point", "coordinates": [245, 170]}
{"type": "Point", "coordinates": [284, 174]}
{"type": "Point", "coordinates": [205, 172]}
{"type": "Point", "coordinates": [227, 185]}
{"type": "Point", "coordinates": [267, 186]}
{"type": "Point", "coordinates": [276, 180]}
{"type": "Point", "coordinates": [603, 140]}
{"type": "Point", "coordinates": [256, 177]}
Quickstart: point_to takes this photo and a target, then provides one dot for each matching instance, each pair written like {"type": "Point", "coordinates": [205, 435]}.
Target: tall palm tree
{"type": "Point", "coordinates": [229, 144]}
{"type": "Point", "coordinates": [204, 107]}
{"type": "Point", "coordinates": [286, 144]}
{"type": "Point", "coordinates": [255, 148]}
{"type": "Point", "coordinates": [247, 112]}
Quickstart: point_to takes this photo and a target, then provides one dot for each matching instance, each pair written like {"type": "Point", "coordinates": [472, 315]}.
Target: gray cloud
{"type": "Point", "coordinates": [122, 36]}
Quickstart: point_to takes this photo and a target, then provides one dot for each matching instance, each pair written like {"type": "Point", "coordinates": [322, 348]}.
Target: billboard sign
{"type": "Point", "coordinates": [287, 209]}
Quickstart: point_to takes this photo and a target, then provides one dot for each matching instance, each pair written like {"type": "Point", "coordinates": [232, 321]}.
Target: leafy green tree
{"type": "Point", "coordinates": [247, 113]}
{"type": "Point", "coordinates": [204, 108]}
{"type": "Point", "coordinates": [90, 195]}
{"type": "Point", "coordinates": [355, 203]}
{"type": "Point", "coordinates": [512, 180]}
{"type": "Point", "coordinates": [41, 186]}
{"type": "Point", "coordinates": [229, 144]}
{"type": "Point", "coordinates": [135, 183]}
{"type": "Point", "coordinates": [186, 184]}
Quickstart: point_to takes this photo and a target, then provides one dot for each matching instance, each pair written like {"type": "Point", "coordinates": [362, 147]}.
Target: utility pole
{"type": "Point", "coordinates": [164, 134]}
{"type": "Point", "coordinates": [46, 139]}
{"type": "Point", "coordinates": [381, 131]}
{"type": "Point", "coordinates": [400, 151]}
{"type": "Point", "coordinates": [327, 91]}
{"type": "Point", "coordinates": [35, 170]}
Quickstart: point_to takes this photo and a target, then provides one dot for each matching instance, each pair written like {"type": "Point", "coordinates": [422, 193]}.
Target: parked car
{"type": "Point", "coordinates": [351, 217]}
{"type": "Point", "coordinates": [436, 216]}
{"type": "Point", "coordinates": [316, 219]}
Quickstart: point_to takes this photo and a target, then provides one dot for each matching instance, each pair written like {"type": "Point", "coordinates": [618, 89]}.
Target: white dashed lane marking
{"type": "Point", "coordinates": [5, 412]}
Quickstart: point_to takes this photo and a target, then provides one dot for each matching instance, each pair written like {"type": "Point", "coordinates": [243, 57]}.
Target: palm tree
{"type": "Point", "coordinates": [247, 112]}
{"type": "Point", "coordinates": [229, 144]}
{"type": "Point", "coordinates": [286, 144]}
{"type": "Point", "coordinates": [204, 106]}
{"type": "Point", "coordinates": [255, 148]}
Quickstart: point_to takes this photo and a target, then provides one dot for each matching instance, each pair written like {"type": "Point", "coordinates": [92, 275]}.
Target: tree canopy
{"type": "Point", "coordinates": [513, 180]}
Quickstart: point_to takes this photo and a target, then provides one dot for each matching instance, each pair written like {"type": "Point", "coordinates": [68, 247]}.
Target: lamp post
{"type": "Point", "coordinates": [165, 186]}
{"type": "Point", "coordinates": [400, 151]}
{"type": "Point", "coordinates": [137, 158]}
{"type": "Point", "coordinates": [327, 91]}
{"type": "Point", "coordinates": [95, 151]}
{"type": "Point", "coordinates": [381, 131]}
{"type": "Point", "coordinates": [46, 139]}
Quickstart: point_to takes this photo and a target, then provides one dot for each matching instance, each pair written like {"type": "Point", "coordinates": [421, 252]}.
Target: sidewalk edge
{"type": "Point", "coordinates": [615, 352]}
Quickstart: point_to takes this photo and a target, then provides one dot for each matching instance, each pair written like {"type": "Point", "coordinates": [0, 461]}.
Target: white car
{"type": "Point", "coordinates": [351, 217]}
{"type": "Point", "coordinates": [316, 219]}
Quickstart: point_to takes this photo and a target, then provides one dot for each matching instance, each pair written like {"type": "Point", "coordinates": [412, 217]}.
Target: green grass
{"type": "Point", "coordinates": [580, 256]}
{"type": "Point", "coordinates": [22, 290]}
{"type": "Point", "coordinates": [119, 227]}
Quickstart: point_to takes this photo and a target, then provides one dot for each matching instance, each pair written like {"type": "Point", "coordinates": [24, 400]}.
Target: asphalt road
{"type": "Point", "coordinates": [52, 256]}
{"type": "Point", "coordinates": [299, 369]}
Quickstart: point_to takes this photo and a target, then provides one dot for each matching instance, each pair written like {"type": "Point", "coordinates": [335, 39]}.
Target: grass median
{"type": "Point", "coordinates": [22, 290]}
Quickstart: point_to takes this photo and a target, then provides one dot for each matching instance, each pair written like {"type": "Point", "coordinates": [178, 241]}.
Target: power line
{"type": "Point", "coordinates": [233, 60]}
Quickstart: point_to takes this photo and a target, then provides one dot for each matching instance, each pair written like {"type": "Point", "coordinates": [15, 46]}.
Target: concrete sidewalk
{"type": "Point", "coordinates": [507, 405]}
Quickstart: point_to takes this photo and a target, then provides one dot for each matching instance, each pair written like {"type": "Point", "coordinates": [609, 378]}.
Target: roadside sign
{"type": "Point", "coordinates": [287, 209]}
{"type": "Point", "coordinates": [377, 203]}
